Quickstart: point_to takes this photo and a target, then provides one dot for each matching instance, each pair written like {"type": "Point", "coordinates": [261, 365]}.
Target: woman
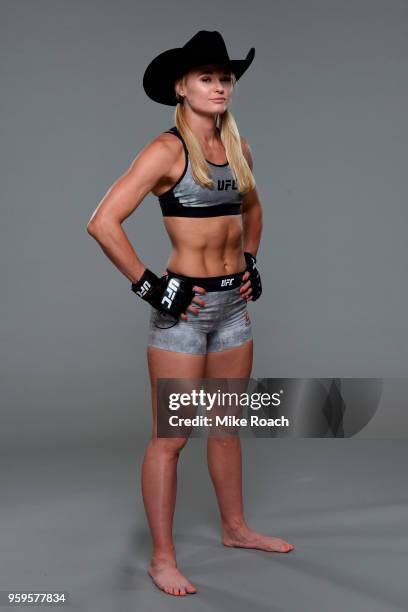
{"type": "Point", "coordinates": [201, 170]}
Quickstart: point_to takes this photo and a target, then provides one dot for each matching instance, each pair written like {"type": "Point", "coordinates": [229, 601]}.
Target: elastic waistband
{"type": "Point", "coordinates": [213, 283]}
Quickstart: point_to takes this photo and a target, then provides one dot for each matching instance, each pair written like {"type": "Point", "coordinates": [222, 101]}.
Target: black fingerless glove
{"type": "Point", "coordinates": [169, 294]}
{"type": "Point", "coordinates": [254, 275]}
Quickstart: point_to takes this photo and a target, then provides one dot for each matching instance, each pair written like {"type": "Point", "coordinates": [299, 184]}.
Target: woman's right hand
{"type": "Point", "coordinates": [196, 300]}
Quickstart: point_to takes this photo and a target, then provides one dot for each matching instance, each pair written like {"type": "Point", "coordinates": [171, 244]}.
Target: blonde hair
{"type": "Point", "coordinates": [231, 140]}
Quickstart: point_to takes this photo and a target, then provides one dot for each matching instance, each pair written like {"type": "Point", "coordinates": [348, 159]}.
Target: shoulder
{"type": "Point", "coordinates": [246, 150]}
{"type": "Point", "coordinates": [168, 143]}
{"type": "Point", "coordinates": [163, 150]}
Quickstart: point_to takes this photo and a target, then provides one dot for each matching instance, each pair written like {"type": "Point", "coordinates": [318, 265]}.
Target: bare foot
{"type": "Point", "coordinates": [246, 538]}
{"type": "Point", "coordinates": [169, 579]}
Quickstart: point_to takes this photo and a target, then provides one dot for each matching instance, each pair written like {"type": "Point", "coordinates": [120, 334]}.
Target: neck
{"type": "Point", "coordinates": [203, 126]}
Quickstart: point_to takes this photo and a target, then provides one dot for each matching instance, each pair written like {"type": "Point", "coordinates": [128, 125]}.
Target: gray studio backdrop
{"type": "Point", "coordinates": [324, 110]}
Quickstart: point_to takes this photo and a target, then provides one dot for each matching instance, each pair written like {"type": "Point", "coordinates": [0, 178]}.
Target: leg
{"type": "Point", "coordinates": [159, 473]}
{"type": "Point", "coordinates": [225, 463]}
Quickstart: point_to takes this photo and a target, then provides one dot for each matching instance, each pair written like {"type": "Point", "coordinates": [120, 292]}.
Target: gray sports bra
{"type": "Point", "coordinates": [188, 199]}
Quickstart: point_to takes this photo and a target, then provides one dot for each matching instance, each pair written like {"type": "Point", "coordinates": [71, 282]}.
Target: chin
{"type": "Point", "coordinates": [212, 113]}
{"type": "Point", "coordinates": [218, 111]}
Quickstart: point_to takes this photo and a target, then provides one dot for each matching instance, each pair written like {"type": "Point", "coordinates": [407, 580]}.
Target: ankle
{"type": "Point", "coordinates": [234, 524]}
{"type": "Point", "coordinates": [166, 558]}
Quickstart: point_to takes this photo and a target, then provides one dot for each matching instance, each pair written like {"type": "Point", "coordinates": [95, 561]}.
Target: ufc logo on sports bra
{"type": "Point", "coordinates": [226, 281]}
{"type": "Point", "coordinates": [143, 289]}
{"type": "Point", "coordinates": [224, 185]}
{"type": "Point", "coordinates": [171, 291]}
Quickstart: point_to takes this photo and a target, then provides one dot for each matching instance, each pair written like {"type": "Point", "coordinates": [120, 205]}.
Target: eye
{"type": "Point", "coordinates": [205, 79]}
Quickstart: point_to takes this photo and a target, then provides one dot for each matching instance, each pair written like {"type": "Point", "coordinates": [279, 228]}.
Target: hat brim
{"type": "Point", "coordinates": [166, 68]}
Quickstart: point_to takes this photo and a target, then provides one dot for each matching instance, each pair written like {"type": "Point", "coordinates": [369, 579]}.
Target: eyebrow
{"type": "Point", "coordinates": [212, 72]}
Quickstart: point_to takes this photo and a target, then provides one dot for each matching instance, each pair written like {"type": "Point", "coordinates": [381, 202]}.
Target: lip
{"type": "Point", "coordinates": [217, 99]}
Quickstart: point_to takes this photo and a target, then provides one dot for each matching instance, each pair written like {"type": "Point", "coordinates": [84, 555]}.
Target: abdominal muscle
{"type": "Point", "coordinates": [205, 246]}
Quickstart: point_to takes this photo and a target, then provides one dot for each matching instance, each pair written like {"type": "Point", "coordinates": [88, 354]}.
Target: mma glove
{"type": "Point", "coordinates": [169, 294]}
{"type": "Point", "coordinates": [254, 275]}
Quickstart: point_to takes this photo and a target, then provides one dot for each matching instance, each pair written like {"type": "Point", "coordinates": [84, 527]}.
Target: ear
{"type": "Point", "coordinates": [178, 87]}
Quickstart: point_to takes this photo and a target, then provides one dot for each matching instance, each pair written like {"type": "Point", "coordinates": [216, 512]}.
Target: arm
{"type": "Point", "coordinates": [251, 211]}
{"type": "Point", "coordinates": [123, 197]}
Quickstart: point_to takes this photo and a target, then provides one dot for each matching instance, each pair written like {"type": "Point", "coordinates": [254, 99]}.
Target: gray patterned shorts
{"type": "Point", "coordinates": [223, 322]}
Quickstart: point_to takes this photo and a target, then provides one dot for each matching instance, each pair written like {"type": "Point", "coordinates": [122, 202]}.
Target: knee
{"type": "Point", "coordinates": [224, 442]}
{"type": "Point", "coordinates": [168, 446]}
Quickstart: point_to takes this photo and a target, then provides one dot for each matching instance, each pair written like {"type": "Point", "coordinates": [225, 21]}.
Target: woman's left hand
{"type": "Point", "coordinates": [246, 289]}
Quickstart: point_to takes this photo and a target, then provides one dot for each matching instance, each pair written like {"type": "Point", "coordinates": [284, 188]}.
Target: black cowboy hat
{"type": "Point", "coordinates": [204, 48]}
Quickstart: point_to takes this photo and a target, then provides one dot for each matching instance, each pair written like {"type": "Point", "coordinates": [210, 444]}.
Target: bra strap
{"type": "Point", "coordinates": [176, 132]}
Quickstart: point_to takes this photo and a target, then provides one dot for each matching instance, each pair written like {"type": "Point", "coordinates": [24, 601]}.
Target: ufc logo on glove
{"type": "Point", "coordinates": [144, 289]}
{"type": "Point", "coordinates": [171, 290]}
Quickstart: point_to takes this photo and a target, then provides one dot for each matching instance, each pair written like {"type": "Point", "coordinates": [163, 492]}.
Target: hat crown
{"type": "Point", "coordinates": [208, 45]}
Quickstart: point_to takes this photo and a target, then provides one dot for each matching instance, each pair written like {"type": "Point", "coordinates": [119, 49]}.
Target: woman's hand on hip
{"type": "Point", "coordinates": [246, 289]}
{"type": "Point", "coordinates": [195, 300]}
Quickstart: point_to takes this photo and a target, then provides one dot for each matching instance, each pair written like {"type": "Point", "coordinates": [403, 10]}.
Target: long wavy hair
{"type": "Point", "coordinates": [231, 140]}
